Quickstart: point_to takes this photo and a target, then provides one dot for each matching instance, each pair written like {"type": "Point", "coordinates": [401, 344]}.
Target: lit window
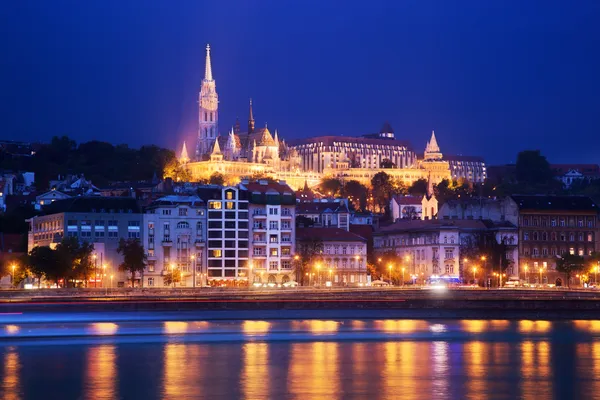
{"type": "Point", "coordinates": [215, 205]}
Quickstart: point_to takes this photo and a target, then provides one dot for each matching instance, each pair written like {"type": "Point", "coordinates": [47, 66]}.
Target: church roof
{"type": "Point", "coordinates": [386, 128]}
{"type": "Point", "coordinates": [263, 137]}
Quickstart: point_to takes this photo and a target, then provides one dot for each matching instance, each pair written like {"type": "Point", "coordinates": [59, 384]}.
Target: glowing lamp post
{"type": "Point", "coordinates": [173, 274]}
{"type": "Point", "coordinates": [474, 272]}
{"type": "Point", "coordinates": [390, 269]}
{"type": "Point", "coordinates": [403, 276]}
{"type": "Point", "coordinates": [193, 270]}
{"type": "Point", "coordinates": [12, 277]}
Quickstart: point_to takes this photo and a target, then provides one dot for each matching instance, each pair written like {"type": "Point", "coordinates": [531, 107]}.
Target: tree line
{"type": "Point", "coordinates": [71, 263]}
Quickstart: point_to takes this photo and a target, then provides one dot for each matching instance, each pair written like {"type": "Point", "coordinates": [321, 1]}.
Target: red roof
{"type": "Point", "coordinates": [279, 187]}
{"type": "Point", "coordinates": [328, 235]}
{"type": "Point", "coordinates": [408, 200]}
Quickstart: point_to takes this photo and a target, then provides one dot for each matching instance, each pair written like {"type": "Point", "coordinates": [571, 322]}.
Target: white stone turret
{"type": "Point", "coordinates": [208, 115]}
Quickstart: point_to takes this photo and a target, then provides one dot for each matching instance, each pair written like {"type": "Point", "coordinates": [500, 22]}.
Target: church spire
{"type": "Point", "coordinates": [217, 148]}
{"type": "Point", "coordinates": [432, 150]}
{"type": "Point", "coordinates": [208, 67]}
{"type": "Point", "coordinates": [250, 119]}
{"type": "Point", "coordinates": [184, 158]}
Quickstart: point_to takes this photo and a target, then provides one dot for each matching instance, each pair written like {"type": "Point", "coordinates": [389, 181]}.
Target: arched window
{"type": "Point", "coordinates": [205, 116]}
{"type": "Point", "coordinates": [272, 279]}
{"type": "Point", "coordinates": [211, 117]}
{"type": "Point", "coordinates": [285, 279]}
{"type": "Point", "coordinates": [182, 225]}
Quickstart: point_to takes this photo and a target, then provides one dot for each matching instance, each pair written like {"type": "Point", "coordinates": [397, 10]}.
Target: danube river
{"type": "Point", "coordinates": [303, 359]}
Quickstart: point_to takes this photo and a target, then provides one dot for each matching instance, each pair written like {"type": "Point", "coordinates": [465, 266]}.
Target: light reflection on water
{"type": "Point", "coordinates": [527, 360]}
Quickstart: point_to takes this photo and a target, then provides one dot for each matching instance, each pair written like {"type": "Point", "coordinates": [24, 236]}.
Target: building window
{"type": "Point", "coordinates": [273, 239]}
{"type": "Point", "coordinates": [572, 237]}
{"type": "Point", "coordinates": [133, 234]}
{"type": "Point", "coordinates": [562, 222]}
{"type": "Point", "coordinates": [229, 195]}
{"type": "Point", "coordinates": [580, 223]}
{"type": "Point", "coordinates": [571, 250]}
{"type": "Point", "coordinates": [589, 237]}
{"type": "Point", "coordinates": [216, 253]}
{"type": "Point", "coordinates": [166, 212]}
{"type": "Point", "coordinates": [544, 251]}
{"type": "Point", "coordinates": [544, 236]}
{"type": "Point", "coordinates": [286, 264]}
{"type": "Point", "coordinates": [229, 205]}
{"type": "Point", "coordinates": [151, 266]}
{"type": "Point", "coordinates": [183, 212]}
{"type": "Point", "coordinates": [150, 281]}
{"type": "Point", "coordinates": [553, 222]}
{"type": "Point", "coordinates": [273, 225]}
{"type": "Point", "coordinates": [580, 252]}
{"type": "Point", "coordinates": [215, 205]}
{"type": "Point", "coordinates": [273, 211]}
{"type": "Point", "coordinates": [535, 236]}
{"type": "Point", "coordinates": [581, 236]}
{"type": "Point", "coordinates": [525, 235]}
{"type": "Point", "coordinates": [273, 265]}
{"type": "Point", "coordinates": [274, 252]}
{"type": "Point", "coordinates": [535, 252]}
{"type": "Point", "coordinates": [449, 254]}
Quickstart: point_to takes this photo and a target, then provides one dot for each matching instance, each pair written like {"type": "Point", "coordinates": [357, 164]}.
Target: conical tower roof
{"type": "Point", "coordinates": [184, 154]}
{"type": "Point", "coordinates": [207, 67]}
{"type": "Point", "coordinates": [216, 148]}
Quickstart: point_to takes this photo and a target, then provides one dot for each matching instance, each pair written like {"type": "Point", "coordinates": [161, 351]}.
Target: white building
{"type": "Point", "coordinates": [413, 207]}
{"type": "Point", "coordinates": [426, 248]}
{"type": "Point", "coordinates": [497, 210]}
{"type": "Point", "coordinates": [326, 213]}
{"type": "Point", "coordinates": [344, 258]}
{"type": "Point", "coordinates": [174, 237]}
{"type": "Point", "coordinates": [272, 220]}
{"type": "Point", "coordinates": [227, 234]}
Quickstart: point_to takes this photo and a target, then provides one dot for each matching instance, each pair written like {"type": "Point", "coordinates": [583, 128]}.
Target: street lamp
{"type": "Point", "coordinates": [484, 260]}
{"type": "Point", "coordinates": [403, 276]}
{"type": "Point", "coordinates": [319, 273]}
{"type": "Point", "coordinates": [95, 271]}
{"type": "Point", "coordinates": [541, 277]}
{"type": "Point", "coordinates": [330, 271]}
{"type": "Point", "coordinates": [390, 268]}
{"type": "Point", "coordinates": [526, 273]}
{"type": "Point", "coordinates": [103, 275]}
{"type": "Point", "coordinates": [474, 272]}
{"type": "Point", "coordinates": [173, 274]}
{"type": "Point", "coordinates": [194, 271]}
{"type": "Point", "coordinates": [12, 277]}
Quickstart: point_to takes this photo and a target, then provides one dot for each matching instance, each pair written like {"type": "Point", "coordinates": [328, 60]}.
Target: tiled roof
{"type": "Point", "coordinates": [566, 203]}
{"type": "Point", "coordinates": [329, 140]}
{"type": "Point", "coordinates": [328, 235]}
{"type": "Point", "coordinates": [319, 207]}
{"type": "Point", "coordinates": [408, 200]}
{"type": "Point", "coordinates": [93, 204]}
{"type": "Point", "coordinates": [278, 187]}
{"type": "Point", "coordinates": [584, 169]}
{"type": "Point", "coordinates": [434, 224]}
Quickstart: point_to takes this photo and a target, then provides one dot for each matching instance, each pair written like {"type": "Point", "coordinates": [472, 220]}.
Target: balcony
{"type": "Point", "coordinates": [286, 216]}
{"type": "Point", "coordinates": [199, 243]}
{"type": "Point", "coordinates": [259, 215]}
{"type": "Point", "coordinates": [286, 228]}
{"type": "Point", "coordinates": [259, 228]}
{"type": "Point", "coordinates": [259, 255]}
{"type": "Point", "coordinates": [167, 242]}
{"type": "Point", "coordinates": [260, 242]}
{"type": "Point", "coordinates": [151, 257]}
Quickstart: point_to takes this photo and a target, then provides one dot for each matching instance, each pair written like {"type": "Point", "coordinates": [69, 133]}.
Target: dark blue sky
{"type": "Point", "coordinates": [491, 77]}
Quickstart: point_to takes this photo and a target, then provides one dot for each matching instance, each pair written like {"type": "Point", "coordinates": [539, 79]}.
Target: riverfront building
{"type": "Point", "coordinates": [102, 221]}
{"type": "Point", "coordinates": [174, 239]}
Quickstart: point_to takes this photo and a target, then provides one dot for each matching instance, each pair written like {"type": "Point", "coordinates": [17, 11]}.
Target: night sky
{"type": "Point", "coordinates": [491, 77]}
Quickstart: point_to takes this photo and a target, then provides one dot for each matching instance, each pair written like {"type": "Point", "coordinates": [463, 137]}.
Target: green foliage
{"type": "Point", "coordinates": [100, 162]}
{"type": "Point", "coordinates": [134, 257]}
{"type": "Point", "coordinates": [570, 264]}
{"type": "Point", "coordinates": [216, 179]}
{"type": "Point", "coordinates": [171, 277]}
{"type": "Point", "coordinates": [43, 261]}
{"type": "Point", "coordinates": [381, 186]}
{"type": "Point", "coordinates": [330, 187]}
{"type": "Point", "coordinates": [418, 188]}
{"type": "Point", "coordinates": [357, 193]}
{"type": "Point", "coordinates": [308, 251]}
{"type": "Point", "coordinates": [176, 171]}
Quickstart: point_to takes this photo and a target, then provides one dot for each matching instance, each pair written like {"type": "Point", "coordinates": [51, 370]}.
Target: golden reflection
{"type": "Point", "coordinates": [314, 370]}
{"type": "Point", "coordinates": [527, 326]}
{"type": "Point", "coordinates": [104, 328]}
{"type": "Point", "coordinates": [360, 368]}
{"type": "Point", "coordinates": [476, 360]}
{"type": "Point", "coordinates": [587, 326]}
{"type": "Point", "coordinates": [256, 327]}
{"type": "Point", "coordinates": [319, 326]}
{"type": "Point", "coordinates": [406, 363]}
{"type": "Point", "coordinates": [255, 375]}
{"type": "Point", "coordinates": [500, 324]}
{"type": "Point", "coordinates": [181, 370]}
{"type": "Point", "coordinates": [101, 373]}
{"type": "Point", "coordinates": [12, 329]}
{"type": "Point", "coordinates": [401, 325]}
{"type": "Point", "coordinates": [10, 381]}
{"type": "Point", "coordinates": [175, 327]}
{"type": "Point", "coordinates": [535, 367]}
{"type": "Point", "coordinates": [474, 325]}
{"type": "Point", "coordinates": [441, 369]}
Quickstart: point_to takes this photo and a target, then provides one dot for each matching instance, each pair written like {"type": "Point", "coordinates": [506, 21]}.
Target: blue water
{"type": "Point", "coordinates": [138, 356]}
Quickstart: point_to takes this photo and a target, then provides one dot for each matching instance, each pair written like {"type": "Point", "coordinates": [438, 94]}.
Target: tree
{"type": "Point", "coordinates": [399, 187]}
{"type": "Point", "coordinates": [330, 186]}
{"type": "Point", "coordinates": [176, 171]}
{"type": "Point", "coordinates": [67, 252]}
{"type": "Point", "coordinates": [357, 193]}
{"type": "Point", "coordinates": [570, 264]}
{"type": "Point", "coordinates": [304, 222]}
{"type": "Point", "coordinates": [418, 188]}
{"type": "Point", "coordinates": [381, 185]}
{"type": "Point", "coordinates": [533, 169]}
{"type": "Point", "coordinates": [216, 179]}
{"type": "Point", "coordinates": [134, 258]}
{"type": "Point", "coordinates": [172, 276]}
{"type": "Point", "coordinates": [83, 261]}
{"type": "Point", "coordinates": [308, 251]}
{"type": "Point", "coordinates": [43, 261]}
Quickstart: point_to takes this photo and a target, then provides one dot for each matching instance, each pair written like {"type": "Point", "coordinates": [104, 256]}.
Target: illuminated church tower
{"type": "Point", "coordinates": [208, 116]}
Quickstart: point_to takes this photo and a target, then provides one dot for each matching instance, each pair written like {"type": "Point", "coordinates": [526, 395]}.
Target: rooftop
{"type": "Point", "coordinates": [86, 204]}
{"type": "Point", "coordinates": [322, 207]}
{"type": "Point", "coordinates": [330, 140]}
{"type": "Point", "coordinates": [545, 202]}
{"type": "Point", "coordinates": [328, 235]}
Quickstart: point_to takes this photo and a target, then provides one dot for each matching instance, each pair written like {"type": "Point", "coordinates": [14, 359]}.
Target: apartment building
{"type": "Point", "coordinates": [174, 239]}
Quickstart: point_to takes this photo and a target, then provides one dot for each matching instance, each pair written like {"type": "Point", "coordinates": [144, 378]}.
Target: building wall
{"type": "Point", "coordinates": [344, 263]}
{"type": "Point", "coordinates": [98, 228]}
{"type": "Point", "coordinates": [496, 210]}
{"type": "Point", "coordinates": [544, 235]}
{"type": "Point", "coordinates": [424, 253]}
{"type": "Point", "coordinates": [273, 242]}
{"type": "Point", "coordinates": [228, 239]}
{"type": "Point", "coordinates": [174, 238]}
